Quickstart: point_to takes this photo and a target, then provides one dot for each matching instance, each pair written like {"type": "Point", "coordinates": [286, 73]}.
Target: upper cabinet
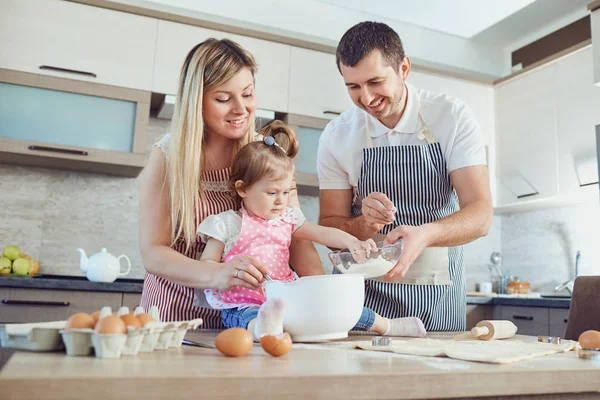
{"type": "Point", "coordinates": [76, 41]}
{"type": "Point", "coordinates": [526, 137]}
{"type": "Point", "coordinates": [176, 40]}
{"type": "Point", "coordinates": [545, 127]}
{"type": "Point", "coordinates": [578, 102]}
{"type": "Point", "coordinates": [316, 86]}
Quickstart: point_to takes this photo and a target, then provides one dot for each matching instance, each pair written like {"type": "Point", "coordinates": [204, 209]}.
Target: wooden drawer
{"type": "Point", "coordinates": [558, 321]}
{"type": "Point", "coordinates": [529, 320]}
{"type": "Point", "coordinates": [478, 312]}
{"type": "Point", "coordinates": [51, 305]}
{"type": "Point", "coordinates": [132, 300]}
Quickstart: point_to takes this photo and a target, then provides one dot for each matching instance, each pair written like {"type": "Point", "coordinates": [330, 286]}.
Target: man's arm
{"type": "Point", "coordinates": [474, 219]}
{"type": "Point", "coordinates": [335, 211]}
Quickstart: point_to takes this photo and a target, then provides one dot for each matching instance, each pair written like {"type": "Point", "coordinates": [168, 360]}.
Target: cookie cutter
{"type": "Point", "coordinates": [550, 339]}
{"type": "Point", "coordinates": [381, 341]}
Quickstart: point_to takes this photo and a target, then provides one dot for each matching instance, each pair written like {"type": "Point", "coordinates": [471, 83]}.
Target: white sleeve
{"type": "Point", "coordinates": [299, 218]}
{"type": "Point", "coordinates": [468, 147]}
{"type": "Point", "coordinates": [163, 143]}
{"type": "Point", "coordinates": [213, 226]}
{"type": "Point", "coordinates": [330, 172]}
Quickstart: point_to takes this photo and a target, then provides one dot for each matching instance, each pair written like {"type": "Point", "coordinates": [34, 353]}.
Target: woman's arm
{"type": "Point", "coordinates": [155, 232]}
{"type": "Point", "coordinates": [303, 255]}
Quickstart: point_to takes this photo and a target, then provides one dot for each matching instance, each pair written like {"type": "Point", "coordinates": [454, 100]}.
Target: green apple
{"type": "Point", "coordinates": [21, 266]}
{"type": "Point", "coordinates": [11, 252]}
{"type": "Point", "coordinates": [5, 265]}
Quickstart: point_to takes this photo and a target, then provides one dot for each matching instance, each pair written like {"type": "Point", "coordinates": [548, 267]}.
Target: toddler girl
{"type": "Point", "coordinates": [262, 175]}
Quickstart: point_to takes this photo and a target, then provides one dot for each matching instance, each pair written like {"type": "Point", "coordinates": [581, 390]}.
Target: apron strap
{"type": "Point", "coordinates": [424, 134]}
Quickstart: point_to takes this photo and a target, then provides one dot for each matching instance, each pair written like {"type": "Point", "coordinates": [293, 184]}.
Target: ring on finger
{"type": "Point", "coordinates": [237, 272]}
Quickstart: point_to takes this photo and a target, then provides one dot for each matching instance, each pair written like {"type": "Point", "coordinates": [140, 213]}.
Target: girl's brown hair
{"type": "Point", "coordinates": [258, 160]}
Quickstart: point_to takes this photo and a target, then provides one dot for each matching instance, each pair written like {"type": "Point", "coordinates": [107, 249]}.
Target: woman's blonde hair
{"type": "Point", "coordinates": [208, 65]}
{"type": "Point", "coordinates": [270, 158]}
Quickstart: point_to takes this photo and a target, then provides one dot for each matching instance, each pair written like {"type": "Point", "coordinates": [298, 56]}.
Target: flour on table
{"type": "Point", "coordinates": [493, 351]}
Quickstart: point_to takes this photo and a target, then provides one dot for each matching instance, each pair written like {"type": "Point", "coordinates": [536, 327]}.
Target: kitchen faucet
{"type": "Point", "coordinates": [569, 284]}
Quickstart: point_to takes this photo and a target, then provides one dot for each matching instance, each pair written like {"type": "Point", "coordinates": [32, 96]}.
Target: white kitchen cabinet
{"type": "Point", "coordinates": [526, 137]}
{"type": "Point", "coordinates": [316, 87]}
{"type": "Point", "coordinates": [76, 41]}
{"type": "Point", "coordinates": [176, 40]}
{"type": "Point", "coordinates": [308, 132]}
{"type": "Point", "coordinates": [578, 102]}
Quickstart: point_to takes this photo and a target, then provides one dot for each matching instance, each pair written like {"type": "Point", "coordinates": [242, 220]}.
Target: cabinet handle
{"type": "Point", "coordinates": [528, 195]}
{"type": "Point", "coordinates": [59, 150]}
{"type": "Point", "coordinates": [35, 303]}
{"type": "Point", "coordinates": [566, 320]}
{"type": "Point", "coordinates": [331, 112]}
{"type": "Point", "coordinates": [588, 184]}
{"type": "Point", "coordinates": [523, 317]}
{"type": "Point", "coordinates": [68, 71]}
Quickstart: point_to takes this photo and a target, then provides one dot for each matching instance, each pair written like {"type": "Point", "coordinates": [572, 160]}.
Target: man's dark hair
{"type": "Point", "coordinates": [365, 37]}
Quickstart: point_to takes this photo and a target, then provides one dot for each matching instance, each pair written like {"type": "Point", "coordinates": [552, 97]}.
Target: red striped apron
{"type": "Point", "coordinates": [175, 302]}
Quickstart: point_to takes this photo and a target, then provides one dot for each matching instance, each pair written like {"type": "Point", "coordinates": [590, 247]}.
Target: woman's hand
{"type": "Point", "coordinates": [242, 271]}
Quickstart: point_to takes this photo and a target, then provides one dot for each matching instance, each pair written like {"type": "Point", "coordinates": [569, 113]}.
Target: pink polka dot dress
{"type": "Point", "coordinates": [269, 242]}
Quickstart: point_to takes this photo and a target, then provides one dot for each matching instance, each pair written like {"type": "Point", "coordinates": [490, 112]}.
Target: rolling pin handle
{"type": "Point", "coordinates": [480, 331]}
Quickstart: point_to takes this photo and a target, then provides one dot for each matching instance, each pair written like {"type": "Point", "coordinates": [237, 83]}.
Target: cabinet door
{"type": "Point", "coordinates": [526, 137]}
{"type": "Point", "coordinates": [316, 87]}
{"type": "Point", "coordinates": [558, 321]}
{"type": "Point", "coordinates": [40, 305]}
{"type": "Point", "coordinates": [577, 117]}
{"type": "Point", "coordinates": [477, 313]}
{"type": "Point", "coordinates": [529, 320]}
{"type": "Point", "coordinates": [132, 300]}
{"type": "Point", "coordinates": [176, 40]}
{"type": "Point", "coordinates": [76, 41]}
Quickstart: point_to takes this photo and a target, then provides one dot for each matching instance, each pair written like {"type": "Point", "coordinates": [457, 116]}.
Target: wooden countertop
{"type": "Point", "coordinates": [307, 372]}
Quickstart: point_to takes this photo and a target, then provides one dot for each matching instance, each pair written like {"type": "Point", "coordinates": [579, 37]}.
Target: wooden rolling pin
{"type": "Point", "coordinates": [489, 330]}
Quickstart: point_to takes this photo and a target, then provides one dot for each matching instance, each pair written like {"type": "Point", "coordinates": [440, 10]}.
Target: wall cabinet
{"type": "Point", "coordinates": [76, 41]}
{"type": "Point", "coordinates": [316, 87]}
{"type": "Point", "coordinates": [545, 127]}
{"type": "Point", "coordinates": [308, 131]}
{"type": "Point", "coordinates": [176, 40]}
{"type": "Point", "coordinates": [62, 123]}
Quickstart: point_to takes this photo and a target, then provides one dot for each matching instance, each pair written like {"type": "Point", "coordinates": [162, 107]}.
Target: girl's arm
{"type": "Point", "coordinates": [155, 243]}
{"type": "Point", "coordinates": [332, 237]}
{"type": "Point", "coordinates": [213, 250]}
{"type": "Point", "coordinates": [303, 255]}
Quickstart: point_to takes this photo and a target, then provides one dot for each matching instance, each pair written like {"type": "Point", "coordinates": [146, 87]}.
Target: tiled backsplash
{"type": "Point", "coordinates": [50, 213]}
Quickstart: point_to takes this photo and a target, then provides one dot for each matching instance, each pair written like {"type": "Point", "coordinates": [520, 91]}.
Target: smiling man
{"type": "Point", "coordinates": [405, 163]}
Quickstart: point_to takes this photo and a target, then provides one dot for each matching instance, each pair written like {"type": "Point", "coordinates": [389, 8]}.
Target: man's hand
{"type": "Point", "coordinates": [378, 210]}
{"type": "Point", "coordinates": [416, 239]}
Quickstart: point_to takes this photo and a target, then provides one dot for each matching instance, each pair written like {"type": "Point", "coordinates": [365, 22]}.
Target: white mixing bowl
{"type": "Point", "coordinates": [320, 308]}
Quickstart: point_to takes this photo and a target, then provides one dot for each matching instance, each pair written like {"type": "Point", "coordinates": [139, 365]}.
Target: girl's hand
{"type": "Point", "coordinates": [242, 271]}
{"type": "Point", "coordinates": [361, 249]}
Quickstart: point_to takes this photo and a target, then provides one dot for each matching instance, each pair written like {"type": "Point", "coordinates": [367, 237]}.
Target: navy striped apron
{"type": "Point", "coordinates": [415, 179]}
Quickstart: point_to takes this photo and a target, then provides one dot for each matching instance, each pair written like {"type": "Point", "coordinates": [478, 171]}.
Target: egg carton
{"type": "Point", "coordinates": [38, 336]}
{"type": "Point", "coordinates": [153, 336]}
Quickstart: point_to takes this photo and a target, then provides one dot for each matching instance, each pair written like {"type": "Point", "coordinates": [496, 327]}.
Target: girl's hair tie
{"type": "Point", "coordinates": [269, 140]}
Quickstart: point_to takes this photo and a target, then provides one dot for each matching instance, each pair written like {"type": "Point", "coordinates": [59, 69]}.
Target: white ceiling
{"type": "Point", "coordinates": [463, 18]}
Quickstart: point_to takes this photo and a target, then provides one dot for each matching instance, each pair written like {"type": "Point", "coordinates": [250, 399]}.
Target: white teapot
{"type": "Point", "coordinates": [103, 266]}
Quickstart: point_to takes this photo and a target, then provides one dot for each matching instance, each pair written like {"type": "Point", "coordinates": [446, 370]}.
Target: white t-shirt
{"type": "Point", "coordinates": [450, 121]}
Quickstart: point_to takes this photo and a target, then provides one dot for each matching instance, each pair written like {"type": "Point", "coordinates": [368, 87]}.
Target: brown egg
{"type": "Point", "coordinates": [80, 321]}
{"type": "Point", "coordinates": [145, 319]}
{"type": "Point", "coordinates": [131, 320]}
{"type": "Point", "coordinates": [590, 340]}
{"type": "Point", "coordinates": [234, 342]}
{"type": "Point", "coordinates": [276, 345]}
{"type": "Point", "coordinates": [111, 324]}
{"type": "Point", "coordinates": [95, 315]}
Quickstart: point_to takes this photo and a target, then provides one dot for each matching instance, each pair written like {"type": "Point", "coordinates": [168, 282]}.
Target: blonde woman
{"type": "Point", "coordinates": [186, 180]}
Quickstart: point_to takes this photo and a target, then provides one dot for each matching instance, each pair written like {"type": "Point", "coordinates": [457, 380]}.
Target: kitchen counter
{"type": "Point", "coordinates": [555, 302]}
{"type": "Point", "coordinates": [307, 372]}
{"type": "Point", "coordinates": [65, 282]}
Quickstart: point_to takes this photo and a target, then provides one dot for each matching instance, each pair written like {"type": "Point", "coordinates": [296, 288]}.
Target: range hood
{"type": "Point", "coordinates": [167, 106]}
